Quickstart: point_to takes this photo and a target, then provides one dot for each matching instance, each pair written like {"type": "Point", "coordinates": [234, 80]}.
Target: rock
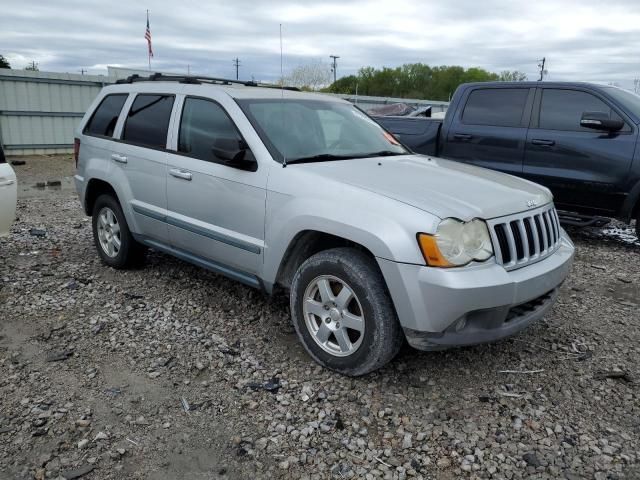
{"type": "Point", "coordinates": [531, 459]}
{"type": "Point", "coordinates": [444, 462]}
{"type": "Point", "coordinates": [101, 436]}
{"type": "Point", "coordinates": [37, 232]}
{"type": "Point", "coordinates": [406, 441]}
{"type": "Point", "coordinates": [77, 472]}
{"type": "Point", "coordinates": [83, 443]}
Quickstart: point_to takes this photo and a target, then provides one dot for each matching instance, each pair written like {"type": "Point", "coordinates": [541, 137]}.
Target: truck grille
{"type": "Point", "coordinates": [525, 238]}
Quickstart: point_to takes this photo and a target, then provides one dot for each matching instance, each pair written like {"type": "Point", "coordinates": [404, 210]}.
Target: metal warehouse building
{"type": "Point", "coordinates": [40, 110]}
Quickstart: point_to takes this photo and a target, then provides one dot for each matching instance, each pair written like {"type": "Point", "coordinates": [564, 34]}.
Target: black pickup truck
{"type": "Point", "coordinates": [577, 139]}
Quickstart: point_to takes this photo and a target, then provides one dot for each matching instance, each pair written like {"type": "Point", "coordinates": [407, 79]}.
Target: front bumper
{"type": "Point", "coordinates": [440, 308]}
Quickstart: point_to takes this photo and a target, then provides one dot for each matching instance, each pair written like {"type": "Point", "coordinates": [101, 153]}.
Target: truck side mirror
{"type": "Point", "coordinates": [600, 121]}
{"type": "Point", "coordinates": [235, 153]}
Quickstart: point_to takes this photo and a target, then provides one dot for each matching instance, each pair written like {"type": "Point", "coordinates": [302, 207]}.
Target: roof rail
{"type": "Point", "coordinates": [192, 79]}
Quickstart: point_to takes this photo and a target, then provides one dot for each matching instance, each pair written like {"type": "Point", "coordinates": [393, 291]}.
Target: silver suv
{"type": "Point", "coordinates": [304, 192]}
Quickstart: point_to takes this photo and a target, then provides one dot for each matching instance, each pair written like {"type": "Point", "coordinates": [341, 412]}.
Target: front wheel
{"type": "Point", "coordinates": [114, 242]}
{"type": "Point", "coordinates": [343, 313]}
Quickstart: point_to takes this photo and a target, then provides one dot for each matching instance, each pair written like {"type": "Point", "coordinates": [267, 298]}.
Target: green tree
{"type": "Point", "coordinates": [512, 76]}
{"type": "Point", "coordinates": [4, 63]}
{"type": "Point", "coordinates": [412, 80]}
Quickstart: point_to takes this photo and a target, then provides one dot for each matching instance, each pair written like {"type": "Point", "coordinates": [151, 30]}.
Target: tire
{"type": "Point", "coordinates": [117, 248]}
{"type": "Point", "coordinates": [318, 308]}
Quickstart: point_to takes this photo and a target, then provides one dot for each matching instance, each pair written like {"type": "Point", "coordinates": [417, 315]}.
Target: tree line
{"type": "Point", "coordinates": [416, 80]}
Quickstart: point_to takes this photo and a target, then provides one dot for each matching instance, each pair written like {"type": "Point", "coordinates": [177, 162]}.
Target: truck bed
{"type": "Point", "coordinates": [420, 134]}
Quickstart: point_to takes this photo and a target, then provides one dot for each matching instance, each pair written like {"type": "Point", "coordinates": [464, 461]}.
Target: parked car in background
{"type": "Point", "coordinates": [305, 193]}
{"type": "Point", "coordinates": [8, 195]}
{"type": "Point", "coordinates": [578, 139]}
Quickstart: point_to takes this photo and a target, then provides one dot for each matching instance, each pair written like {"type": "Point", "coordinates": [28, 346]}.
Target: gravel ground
{"type": "Point", "coordinates": [172, 372]}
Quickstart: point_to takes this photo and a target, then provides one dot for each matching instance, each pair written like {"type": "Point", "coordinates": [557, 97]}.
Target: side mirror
{"type": "Point", "coordinates": [235, 153]}
{"type": "Point", "coordinates": [600, 121]}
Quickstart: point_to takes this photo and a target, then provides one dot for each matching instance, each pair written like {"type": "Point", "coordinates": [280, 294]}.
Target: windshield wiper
{"type": "Point", "coordinates": [382, 153]}
{"type": "Point", "coordinates": [323, 157]}
{"type": "Point", "coordinates": [326, 157]}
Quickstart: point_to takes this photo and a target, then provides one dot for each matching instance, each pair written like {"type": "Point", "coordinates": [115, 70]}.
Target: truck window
{"type": "Point", "coordinates": [104, 119]}
{"type": "Point", "coordinates": [562, 109]}
{"type": "Point", "coordinates": [148, 121]}
{"type": "Point", "coordinates": [502, 107]}
{"type": "Point", "coordinates": [202, 122]}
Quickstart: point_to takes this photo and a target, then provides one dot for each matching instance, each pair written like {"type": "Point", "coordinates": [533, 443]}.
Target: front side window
{"type": "Point", "coordinates": [500, 107]}
{"type": "Point", "coordinates": [563, 109]}
{"type": "Point", "coordinates": [104, 119]}
{"type": "Point", "coordinates": [148, 121]}
{"type": "Point", "coordinates": [316, 130]}
{"type": "Point", "coordinates": [203, 123]}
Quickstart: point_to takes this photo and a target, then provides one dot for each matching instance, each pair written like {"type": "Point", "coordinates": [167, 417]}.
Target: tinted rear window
{"type": "Point", "coordinates": [148, 121]}
{"type": "Point", "coordinates": [104, 119]}
{"type": "Point", "coordinates": [501, 107]}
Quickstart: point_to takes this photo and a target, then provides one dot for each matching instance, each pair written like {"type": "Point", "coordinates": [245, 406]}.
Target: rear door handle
{"type": "Point", "coordinates": [543, 143]}
{"type": "Point", "coordinates": [178, 173]}
{"type": "Point", "coordinates": [462, 136]}
{"type": "Point", "coordinates": [119, 158]}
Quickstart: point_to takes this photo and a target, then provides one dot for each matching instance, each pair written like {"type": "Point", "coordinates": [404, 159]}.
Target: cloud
{"type": "Point", "coordinates": [580, 39]}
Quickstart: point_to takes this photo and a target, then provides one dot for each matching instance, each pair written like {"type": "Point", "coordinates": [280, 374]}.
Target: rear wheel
{"type": "Point", "coordinates": [342, 312]}
{"type": "Point", "coordinates": [114, 242]}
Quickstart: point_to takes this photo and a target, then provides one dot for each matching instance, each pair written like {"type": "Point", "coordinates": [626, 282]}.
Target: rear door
{"type": "Point", "coordinates": [215, 211]}
{"type": "Point", "coordinates": [140, 161]}
{"type": "Point", "coordinates": [489, 129]}
{"type": "Point", "coordinates": [584, 168]}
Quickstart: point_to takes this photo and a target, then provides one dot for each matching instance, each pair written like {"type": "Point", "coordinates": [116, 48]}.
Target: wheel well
{"type": "Point", "coordinates": [95, 188]}
{"type": "Point", "coordinates": [304, 245]}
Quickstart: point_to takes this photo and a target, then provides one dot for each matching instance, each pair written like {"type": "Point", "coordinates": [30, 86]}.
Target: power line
{"type": "Point", "coordinates": [334, 68]}
{"type": "Point", "coordinates": [236, 63]}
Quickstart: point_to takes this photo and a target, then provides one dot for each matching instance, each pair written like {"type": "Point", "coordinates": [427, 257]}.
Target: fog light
{"type": "Point", "coordinates": [460, 324]}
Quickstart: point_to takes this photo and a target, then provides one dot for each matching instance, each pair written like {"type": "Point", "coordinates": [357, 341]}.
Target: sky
{"type": "Point", "coordinates": [581, 40]}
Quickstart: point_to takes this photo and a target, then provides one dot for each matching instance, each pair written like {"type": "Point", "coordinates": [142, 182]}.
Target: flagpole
{"type": "Point", "coordinates": [148, 50]}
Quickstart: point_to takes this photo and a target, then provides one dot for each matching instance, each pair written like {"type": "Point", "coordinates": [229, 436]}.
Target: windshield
{"type": "Point", "coordinates": [628, 99]}
{"type": "Point", "coordinates": [316, 130]}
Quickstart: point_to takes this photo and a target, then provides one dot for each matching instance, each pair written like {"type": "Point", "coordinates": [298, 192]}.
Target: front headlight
{"type": "Point", "coordinates": [456, 243]}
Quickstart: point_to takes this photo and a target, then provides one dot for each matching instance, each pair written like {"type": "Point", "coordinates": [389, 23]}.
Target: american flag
{"type": "Point", "coordinates": [147, 35]}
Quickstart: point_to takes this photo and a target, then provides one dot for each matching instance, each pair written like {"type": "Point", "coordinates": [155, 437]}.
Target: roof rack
{"type": "Point", "coordinates": [196, 80]}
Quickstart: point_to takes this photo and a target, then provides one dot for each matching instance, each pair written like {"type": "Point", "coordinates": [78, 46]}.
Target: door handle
{"type": "Point", "coordinates": [543, 143]}
{"type": "Point", "coordinates": [462, 136]}
{"type": "Point", "coordinates": [119, 158]}
{"type": "Point", "coordinates": [6, 183]}
{"type": "Point", "coordinates": [178, 173]}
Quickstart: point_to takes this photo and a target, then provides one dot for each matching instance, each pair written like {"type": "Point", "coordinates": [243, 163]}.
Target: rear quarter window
{"type": "Point", "coordinates": [501, 107]}
{"type": "Point", "coordinates": [104, 119]}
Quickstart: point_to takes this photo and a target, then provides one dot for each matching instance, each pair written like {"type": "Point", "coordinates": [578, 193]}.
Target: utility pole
{"type": "Point", "coordinates": [236, 63]}
{"type": "Point", "coordinates": [334, 68]}
{"type": "Point", "coordinates": [543, 72]}
{"type": "Point", "coordinates": [82, 71]}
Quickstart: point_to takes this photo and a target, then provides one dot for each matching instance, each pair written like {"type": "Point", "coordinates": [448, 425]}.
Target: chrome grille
{"type": "Point", "coordinates": [526, 237]}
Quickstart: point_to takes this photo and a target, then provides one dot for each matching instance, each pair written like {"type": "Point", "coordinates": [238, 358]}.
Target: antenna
{"type": "Point", "coordinates": [284, 157]}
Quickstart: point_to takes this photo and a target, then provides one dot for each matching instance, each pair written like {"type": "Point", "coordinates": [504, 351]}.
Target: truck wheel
{"type": "Point", "coordinates": [343, 313]}
{"type": "Point", "coordinates": [114, 242]}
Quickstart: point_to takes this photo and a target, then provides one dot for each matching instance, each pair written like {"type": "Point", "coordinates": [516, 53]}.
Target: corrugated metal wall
{"type": "Point", "coordinates": [39, 110]}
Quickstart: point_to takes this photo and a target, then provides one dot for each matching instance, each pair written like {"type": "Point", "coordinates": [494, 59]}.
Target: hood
{"type": "Point", "coordinates": [441, 187]}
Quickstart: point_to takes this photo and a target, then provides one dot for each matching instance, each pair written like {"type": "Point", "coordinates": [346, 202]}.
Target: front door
{"type": "Point", "coordinates": [216, 211]}
{"type": "Point", "coordinates": [585, 169]}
